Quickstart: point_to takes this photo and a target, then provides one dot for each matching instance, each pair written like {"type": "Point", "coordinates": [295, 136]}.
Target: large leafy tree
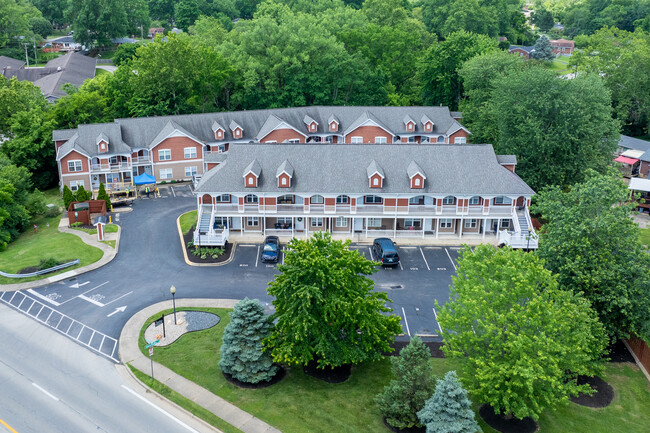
{"type": "Point", "coordinates": [449, 410]}
{"type": "Point", "coordinates": [326, 308]}
{"type": "Point", "coordinates": [15, 189]}
{"type": "Point", "coordinates": [15, 16]}
{"type": "Point", "coordinates": [520, 340]}
{"type": "Point", "coordinates": [95, 22]}
{"type": "Point", "coordinates": [593, 246]}
{"type": "Point", "coordinates": [414, 382]}
{"type": "Point", "coordinates": [439, 67]}
{"type": "Point", "coordinates": [622, 59]}
{"type": "Point", "coordinates": [565, 126]}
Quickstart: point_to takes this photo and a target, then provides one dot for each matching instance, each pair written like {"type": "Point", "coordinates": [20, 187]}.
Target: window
{"type": "Point", "coordinates": [375, 181]}
{"type": "Point", "coordinates": [411, 139]}
{"type": "Point", "coordinates": [409, 126]}
{"type": "Point", "coordinates": [294, 140]}
{"type": "Point", "coordinates": [502, 200]}
{"type": "Point", "coordinates": [251, 198]}
{"type": "Point", "coordinates": [189, 152]}
{"type": "Point", "coordinates": [220, 222]}
{"type": "Point", "coordinates": [460, 140]}
{"type": "Point", "coordinates": [252, 221]}
{"type": "Point", "coordinates": [74, 165]}
{"type": "Point", "coordinates": [441, 139]}
{"type": "Point", "coordinates": [373, 199]}
{"type": "Point", "coordinates": [470, 224]}
{"type": "Point", "coordinates": [475, 200]}
{"type": "Point", "coordinates": [223, 198]}
{"type": "Point", "coordinates": [316, 199]}
{"type": "Point", "coordinates": [112, 177]}
{"type": "Point", "coordinates": [417, 181]}
{"type": "Point", "coordinates": [446, 223]}
{"type": "Point", "coordinates": [221, 148]}
{"type": "Point", "coordinates": [190, 171]}
{"type": "Point", "coordinates": [412, 222]}
{"type": "Point", "coordinates": [251, 180]}
{"type": "Point", "coordinates": [286, 199]}
{"type": "Point", "coordinates": [424, 140]}
{"type": "Point", "coordinates": [374, 222]}
{"type": "Point", "coordinates": [418, 199]}
{"type": "Point", "coordinates": [342, 199]}
{"type": "Point", "coordinates": [284, 220]}
{"type": "Point", "coordinates": [283, 180]}
{"type": "Point", "coordinates": [165, 155]}
{"type": "Point", "coordinates": [380, 140]}
{"type": "Point", "coordinates": [341, 222]}
{"type": "Point", "coordinates": [75, 184]}
{"type": "Point", "coordinates": [505, 224]}
{"type": "Point", "coordinates": [112, 160]}
{"type": "Point", "coordinates": [448, 200]}
{"type": "Point", "coordinates": [166, 173]}
{"type": "Point", "coordinates": [356, 140]}
{"type": "Point", "coordinates": [329, 139]}
{"type": "Point", "coordinates": [317, 222]}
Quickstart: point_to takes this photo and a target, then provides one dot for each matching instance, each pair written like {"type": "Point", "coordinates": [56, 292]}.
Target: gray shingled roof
{"type": "Point", "coordinates": [215, 157]}
{"type": "Point", "coordinates": [85, 140]}
{"type": "Point", "coordinates": [234, 125]}
{"type": "Point", "coordinates": [414, 169]}
{"type": "Point", "coordinates": [271, 123]}
{"type": "Point", "coordinates": [338, 169]}
{"type": "Point", "coordinates": [507, 159]}
{"type": "Point", "coordinates": [331, 119]}
{"type": "Point", "coordinates": [285, 167]}
{"type": "Point", "coordinates": [528, 49]}
{"type": "Point", "coordinates": [254, 167]}
{"type": "Point", "coordinates": [634, 143]}
{"type": "Point", "coordinates": [8, 62]}
{"type": "Point", "coordinates": [373, 168]}
{"type": "Point", "coordinates": [425, 119]}
{"type": "Point", "coordinates": [101, 137]}
{"type": "Point", "coordinates": [170, 127]}
{"type": "Point", "coordinates": [63, 134]}
{"type": "Point", "coordinates": [363, 118]}
{"type": "Point", "coordinates": [217, 126]}
{"type": "Point", "coordinates": [308, 120]}
{"type": "Point", "coordinates": [408, 119]}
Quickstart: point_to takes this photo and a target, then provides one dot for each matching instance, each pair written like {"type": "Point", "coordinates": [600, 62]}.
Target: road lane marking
{"type": "Point", "coordinates": [245, 245]}
{"type": "Point", "coordinates": [400, 265]}
{"type": "Point", "coordinates": [371, 257]}
{"type": "Point", "coordinates": [45, 392]}
{"type": "Point", "coordinates": [436, 316]}
{"type": "Point", "coordinates": [172, 188]}
{"type": "Point", "coordinates": [257, 258]}
{"type": "Point", "coordinates": [425, 259]}
{"type": "Point", "coordinates": [8, 426]}
{"type": "Point", "coordinates": [92, 301]}
{"type": "Point", "coordinates": [45, 298]}
{"type": "Point", "coordinates": [77, 285]}
{"type": "Point", "coordinates": [126, 294]}
{"type": "Point", "coordinates": [452, 262]}
{"type": "Point", "coordinates": [161, 410]}
{"type": "Point", "coordinates": [406, 322]}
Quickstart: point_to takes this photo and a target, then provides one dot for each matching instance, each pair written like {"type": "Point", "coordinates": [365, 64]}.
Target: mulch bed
{"type": "Point", "coordinates": [405, 430]}
{"type": "Point", "coordinates": [619, 353]}
{"type": "Point", "coordinates": [513, 425]}
{"type": "Point", "coordinates": [29, 270]}
{"type": "Point", "coordinates": [434, 348]}
{"type": "Point", "coordinates": [187, 237]}
{"type": "Point", "coordinates": [282, 372]}
{"type": "Point", "coordinates": [601, 398]}
{"type": "Point", "coordinates": [328, 374]}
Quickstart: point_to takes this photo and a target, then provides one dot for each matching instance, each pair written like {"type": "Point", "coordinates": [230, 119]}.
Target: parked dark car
{"type": "Point", "coordinates": [271, 249]}
{"type": "Point", "coordinates": [384, 251]}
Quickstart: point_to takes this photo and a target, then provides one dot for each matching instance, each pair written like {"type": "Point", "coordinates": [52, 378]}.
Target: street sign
{"type": "Point", "coordinates": [152, 344]}
{"type": "Point", "coordinates": [151, 351]}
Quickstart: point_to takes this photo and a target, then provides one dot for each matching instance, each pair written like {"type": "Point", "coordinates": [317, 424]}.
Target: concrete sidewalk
{"type": "Point", "coordinates": [129, 352]}
{"type": "Point", "coordinates": [109, 254]}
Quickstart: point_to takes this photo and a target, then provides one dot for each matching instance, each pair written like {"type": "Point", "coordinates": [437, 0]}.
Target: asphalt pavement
{"type": "Point", "coordinates": [92, 308]}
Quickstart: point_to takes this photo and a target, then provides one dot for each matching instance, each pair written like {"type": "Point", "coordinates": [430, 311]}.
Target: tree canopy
{"type": "Point", "coordinates": [592, 244]}
{"type": "Point", "coordinates": [449, 410]}
{"type": "Point", "coordinates": [326, 308]}
{"type": "Point", "coordinates": [520, 340]}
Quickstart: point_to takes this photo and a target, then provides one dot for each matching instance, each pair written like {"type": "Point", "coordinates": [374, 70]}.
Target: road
{"type": "Point", "coordinates": [50, 384]}
{"type": "Point", "coordinates": [93, 308]}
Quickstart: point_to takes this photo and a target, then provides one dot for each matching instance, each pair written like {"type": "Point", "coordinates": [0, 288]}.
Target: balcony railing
{"type": "Point", "coordinates": [140, 160]}
{"type": "Point", "coordinates": [111, 167]}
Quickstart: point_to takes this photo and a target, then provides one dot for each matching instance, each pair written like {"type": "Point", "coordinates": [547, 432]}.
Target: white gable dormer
{"type": "Point", "coordinates": [312, 125]}
{"type": "Point", "coordinates": [333, 123]}
{"type": "Point", "coordinates": [102, 143]}
{"type": "Point", "coordinates": [236, 130]}
{"type": "Point", "coordinates": [409, 123]}
{"type": "Point", "coordinates": [427, 124]}
{"type": "Point", "coordinates": [218, 130]}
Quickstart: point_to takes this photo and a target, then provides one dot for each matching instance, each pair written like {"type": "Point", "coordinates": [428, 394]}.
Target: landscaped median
{"type": "Point", "coordinates": [300, 403]}
{"type": "Point", "coordinates": [195, 255]}
{"type": "Point", "coordinates": [46, 242]}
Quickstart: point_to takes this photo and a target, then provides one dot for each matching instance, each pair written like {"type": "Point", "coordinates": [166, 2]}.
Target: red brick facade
{"type": "Point", "coordinates": [368, 134]}
{"type": "Point", "coordinates": [177, 146]}
{"type": "Point", "coordinates": [282, 135]}
{"type": "Point", "coordinates": [74, 156]}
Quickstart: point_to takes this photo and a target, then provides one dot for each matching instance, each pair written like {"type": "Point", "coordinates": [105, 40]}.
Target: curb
{"type": "Point", "coordinates": [187, 260]}
{"type": "Point", "coordinates": [106, 258]}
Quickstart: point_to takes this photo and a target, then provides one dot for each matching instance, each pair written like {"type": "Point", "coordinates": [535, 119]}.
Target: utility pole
{"type": "Point", "coordinates": [35, 55]}
{"type": "Point", "coordinates": [26, 57]}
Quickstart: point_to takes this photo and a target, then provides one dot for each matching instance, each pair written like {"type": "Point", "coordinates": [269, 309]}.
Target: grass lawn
{"type": "Point", "coordinates": [52, 196]}
{"type": "Point", "coordinates": [108, 228]}
{"type": "Point", "coordinates": [99, 71]}
{"type": "Point", "coordinates": [188, 221]}
{"type": "Point", "coordinates": [558, 66]}
{"type": "Point", "coordinates": [31, 247]}
{"type": "Point", "coordinates": [300, 403]}
{"type": "Point", "coordinates": [110, 243]}
{"type": "Point", "coordinates": [645, 236]}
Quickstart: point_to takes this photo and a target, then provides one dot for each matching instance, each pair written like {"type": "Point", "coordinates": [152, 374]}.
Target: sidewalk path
{"type": "Point", "coordinates": [130, 353]}
{"type": "Point", "coordinates": [109, 254]}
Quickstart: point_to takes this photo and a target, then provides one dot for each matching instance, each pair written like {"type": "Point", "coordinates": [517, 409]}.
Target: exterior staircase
{"type": "Point", "coordinates": [206, 234]}
{"type": "Point", "coordinates": [204, 219]}
{"type": "Point", "coordinates": [523, 236]}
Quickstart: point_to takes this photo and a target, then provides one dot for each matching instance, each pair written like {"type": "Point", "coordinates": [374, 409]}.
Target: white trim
{"type": "Point", "coordinates": [448, 134]}
{"type": "Point", "coordinates": [78, 173]}
{"type": "Point", "coordinates": [75, 165]}
{"type": "Point", "coordinates": [59, 158]}
{"type": "Point", "coordinates": [190, 148]}
{"type": "Point", "coordinates": [160, 151]}
{"type": "Point", "coordinates": [176, 133]}
{"type": "Point", "coordinates": [282, 125]}
{"type": "Point", "coordinates": [167, 170]}
{"type": "Point", "coordinates": [353, 140]}
{"type": "Point", "coordinates": [182, 161]}
{"type": "Point", "coordinates": [372, 123]}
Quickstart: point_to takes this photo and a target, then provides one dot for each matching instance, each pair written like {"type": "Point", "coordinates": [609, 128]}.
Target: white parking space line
{"type": "Point", "coordinates": [246, 245]}
{"type": "Point", "coordinates": [45, 298]}
{"type": "Point", "coordinates": [282, 258]}
{"type": "Point", "coordinates": [45, 392]}
{"type": "Point", "coordinates": [257, 258]}
{"type": "Point", "coordinates": [407, 248]}
{"type": "Point", "coordinates": [172, 188]}
{"type": "Point", "coordinates": [400, 265]}
{"type": "Point", "coordinates": [408, 331]}
{"type": "Point", "coordinates": [450, 259]}
{"type": "Point", "coordinates": [425, 259]}
{"type": "Point", "coordinates": [172, 417]}
{"type": "Point", "coordinates": [436, 316]}
{"type": "Point", "coordinates": [126, 294]}
{"type": "Point", "coordinates": [432, 248]}
{"type": "Point", "coordinates": [92, 301]}
{"type": "Point", "coordinates": [371, 257]}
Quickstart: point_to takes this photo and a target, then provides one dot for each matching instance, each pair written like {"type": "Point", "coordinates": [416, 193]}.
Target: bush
{"type": "Point", "coordinates": [102, 195]}
{"type": "Point", "coordinates": [172, 181]}
{"type": "Point", "coordinates": [68, 197]}
{"type": "Point", "coordinates": [35, 204]}
{"type": "Point", "coordinates": [190, 244]}
{"type": "Point", "coordinates": [163, 182]}
{"type": "Point", "coordinates": [52, 211]}
{"type": "Point", "coordinates": [449, 410]}
{"type": "Point", "coordinates": [77, 224]}
{"type": "Point", "coordinates": [204, 252]}
{"type": "Point", "coordinates": [82, 194]}
{"type": "Point", "coordinates": [47, 263]}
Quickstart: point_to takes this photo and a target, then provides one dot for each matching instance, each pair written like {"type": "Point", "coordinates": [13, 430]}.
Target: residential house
{"type": "Point", "coordinates": [522, 51]}
{"type": "Point", "coordinates": [153, 31]}
{"type": "Point", "coordinates": [65, 43]}
{"type": "Point", "coordinates": [563, 47]}
{"type": "Point", "coordinates": [634, 155]}
{"type": "Point", "coordinates": [364, 191]}
{"type": "Point", "coordinates": [7, 65]}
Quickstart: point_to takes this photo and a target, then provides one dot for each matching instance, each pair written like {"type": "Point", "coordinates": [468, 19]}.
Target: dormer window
{"type": "Point", "coordinates": [409, 123]}
{"type": "Point", "coordinates": [416, 175]}
{"type": "Point", "coordinates": [312, 125]}
{"type": "Point", "coordinates": [102, 143]}
{"type": "Point", "coordinates": [284, 174]}
{"type": "Point", "coordinates": [427, 124]}
{"type": "Point", "coordinates": [410, 126]}
{"type": "Point", "coordinates": [218, 130]}
{"type": "Point", "coordinates": [333, 123]}
{"type": "Point", "coordinates": [252, 174]}
{"type": "Point", "coordinates": [236, 129]}
{"type": "Point", "coordinates": [375, 175]}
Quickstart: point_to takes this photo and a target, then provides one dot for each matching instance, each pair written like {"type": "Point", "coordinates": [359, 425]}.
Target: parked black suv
{"type": "Point", "coordinates": [384, 251]}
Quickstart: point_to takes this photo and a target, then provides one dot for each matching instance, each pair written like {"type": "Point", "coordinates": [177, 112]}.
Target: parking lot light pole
{"type": "Point", "coordinates": [173, 290]}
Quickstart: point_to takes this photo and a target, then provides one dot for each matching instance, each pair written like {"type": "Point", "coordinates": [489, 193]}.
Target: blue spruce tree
{"type": "Point", "coordinates": [449, 410]}
{"type": "Point", "coordinates": [543, 49]}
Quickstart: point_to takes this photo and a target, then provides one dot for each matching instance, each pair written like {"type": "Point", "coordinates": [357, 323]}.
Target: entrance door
{"type": "Point", "coordinates": [95, 181]}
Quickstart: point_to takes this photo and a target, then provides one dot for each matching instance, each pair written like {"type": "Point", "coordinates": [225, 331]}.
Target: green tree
{"type": "Point", "coordinates": [137, 18]}
{"type": "Point", "coordinates": [414, 382]}
{"type": "Point", "coordinates": [17, 97]}
{"type": "Point", "coordinates": [449, 410]}
{"type": "Point", "coordinates": [35, 204]}
{"type": "Point", "coordinates": [439, 68]}
{"type": "Point", "coordinates": [95, 22]}
{"type": "Point", "coordinates": [242, 353]}
{"type": "Point", "coordinates": [87, 104]}
{"type": "Point", "coordinates": [543, 49]}
{"type": "Point", "coordinates": [326, 308]}
{"type": "Point", "coordinates": [593, 246]}
{"type": "Point", "coordinates": [52, 11]}
{"type": "Point", "coordinates": [622, 59]}
{"type": "Point", "coordinates": [68, 197]}
{"type": "Point", "coordinates": [186, 12]}
{"type": "Point", "coordinates": [15, 188]}
{"type": "Point", "coordinates": [247, 7]}
{"type": "Point", "coordinates": [565, 126]}
{"type": "Point", "coordinates": [40, 26]}
{"type": "Point", "coordinates": [15, 16]}
{"type": "Point", "coordinates": [103, 195]}
{"type": "Point", "coordinates": [507, 313]}
{"type": "Point", "coordinates": [542, 19]}
{"type": "Point", "coordinates": [82, 194]}
{"type": "Point", "coordinates": [125, 53]}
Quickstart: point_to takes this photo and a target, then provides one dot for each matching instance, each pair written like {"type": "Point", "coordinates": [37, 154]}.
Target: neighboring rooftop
{"type": "Point", "coordinates": [10, 64]}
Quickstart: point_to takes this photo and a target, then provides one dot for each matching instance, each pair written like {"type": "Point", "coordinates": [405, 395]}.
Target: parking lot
{"type": "Point", "coordinates": [422, 277]}
{"type": "Point", "coordinates": [168, 190]}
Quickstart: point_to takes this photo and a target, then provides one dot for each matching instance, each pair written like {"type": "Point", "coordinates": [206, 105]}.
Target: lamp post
{"type": "Point", "coordinates": [173, 290]}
